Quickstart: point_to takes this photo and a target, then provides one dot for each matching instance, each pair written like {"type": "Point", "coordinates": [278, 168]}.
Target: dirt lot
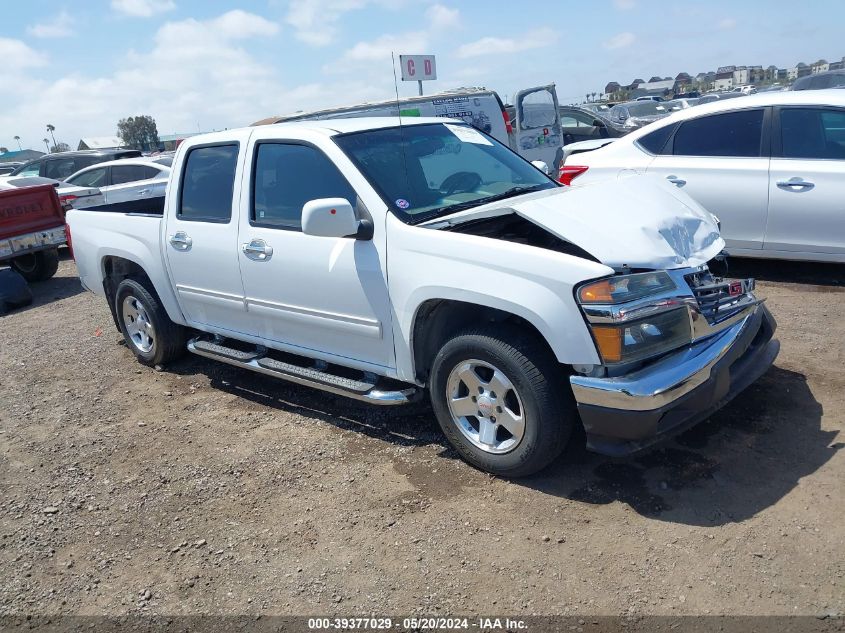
{"type": "Point", "coordinates": [205, 489]}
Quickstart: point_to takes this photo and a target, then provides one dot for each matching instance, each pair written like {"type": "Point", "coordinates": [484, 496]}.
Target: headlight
{"type": "Point", "coordinates": [626, 288]}
{"type": "Point", "coordinates": [641, 339]}
{"type": "Point", "coordinates": [626, 324]}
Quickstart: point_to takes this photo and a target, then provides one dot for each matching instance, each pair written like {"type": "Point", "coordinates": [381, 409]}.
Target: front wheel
{"type": "Point", "coordinates": [501, 401]}
{"type": "Point", "coordinates": [148, 331]}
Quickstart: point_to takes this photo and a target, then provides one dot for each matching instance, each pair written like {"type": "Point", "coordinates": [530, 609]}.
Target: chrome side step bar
{"type": "Point", "coordinates": [365, 389]}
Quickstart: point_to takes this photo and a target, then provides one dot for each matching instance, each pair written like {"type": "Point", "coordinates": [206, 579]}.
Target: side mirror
{"type": "Point", "coordinates": [330, 217]}
{"type": "Point", "coordinates": [541, 165]}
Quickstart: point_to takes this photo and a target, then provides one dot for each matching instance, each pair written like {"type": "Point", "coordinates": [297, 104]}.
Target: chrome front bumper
{"type": "Point", "coordinates": [625, 414]}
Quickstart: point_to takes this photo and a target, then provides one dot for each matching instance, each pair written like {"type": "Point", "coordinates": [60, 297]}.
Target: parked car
{"type": "Point", "coordinates": [579, 124]}
{"type": "Point", "coordinates": [382, 262]}
{"type": "Point", "coordinates": [125, 180]}
{"type": "Point", "coordinates": [61, 165]}
{"type": "Point", "coordinates": [70, 196]}
{"type": "Point", "coordinates": [680, 104]}
{"type": "Point", "coordinates": [635, 114]}
{"type": "Point", "coordinates": [820, 81]}
{"type": "Point", "coordinates": [32, 227]}
{"type": "Point", "coordinates": [8, 168]}
{"type": "Point", "coordinates": [649, 98]}
{"type": "Point", "coordinates": [771, 166]}
{"type": "Point", "coordinates": [710, 97]}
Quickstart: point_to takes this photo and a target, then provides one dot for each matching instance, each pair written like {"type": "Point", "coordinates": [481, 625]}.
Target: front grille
{"type": "Point", "coordinates": [719, 298]}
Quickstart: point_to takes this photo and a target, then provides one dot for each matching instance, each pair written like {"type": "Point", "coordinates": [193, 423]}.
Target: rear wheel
{"type": "Point", "coordinates": [148, 331]}
{"type": "Point", "coordinates": [38, 266]}
{"type": "Point", "coordinates": [501, 401]}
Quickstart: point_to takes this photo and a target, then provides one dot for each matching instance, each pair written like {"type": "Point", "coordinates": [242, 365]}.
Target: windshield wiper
{"type": "Point", "coordinates": [469, 204]}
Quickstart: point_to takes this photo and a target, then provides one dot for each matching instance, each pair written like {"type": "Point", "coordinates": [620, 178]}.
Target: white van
{"type": "Point", "coordinates": [535, 133]}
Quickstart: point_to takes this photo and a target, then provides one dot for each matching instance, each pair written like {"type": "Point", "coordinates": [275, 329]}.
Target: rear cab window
{"type": "Point", "coordinates": [208, 182]}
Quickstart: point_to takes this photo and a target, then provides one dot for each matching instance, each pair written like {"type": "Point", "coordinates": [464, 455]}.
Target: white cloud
{"type": "Point", "coordinates": [442, 17]}
{"type": "Point", "coordinates": [60, 26]}
{"type": "Point", "coordinates": [195, 73]}
{"type": "Point", "coordinates": [16, 55]}
{"type": "Point", "coordinates": [142, 8]}
{"type": "Point", "coordinates": [382, 47]}
{"type": "Point", "coordinates": [315, 21]}
{"type": "Point", "coordinates": [538, 38]}
{"type": "Point", "coordinates": [727, 24]}
{"type": "Point", "coordinates": [620, 40]}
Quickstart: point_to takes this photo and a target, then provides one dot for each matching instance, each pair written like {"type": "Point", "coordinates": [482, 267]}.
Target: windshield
{"type": "Point", "coordinates": [646, 108]}
{"type": "Point", "coordinates": [427, 171]}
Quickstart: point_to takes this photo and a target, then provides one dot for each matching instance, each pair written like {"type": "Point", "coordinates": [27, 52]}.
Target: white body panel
{"type": "Point", "coordinates": [760, 215]}
{"type": "Point", "coordinates": [355, 301]}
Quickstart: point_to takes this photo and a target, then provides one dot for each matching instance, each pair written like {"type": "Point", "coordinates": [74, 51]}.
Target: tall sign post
{"type": "Point", "coordinates": [418, 68]}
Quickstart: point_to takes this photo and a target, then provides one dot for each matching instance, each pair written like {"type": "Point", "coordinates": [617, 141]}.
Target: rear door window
{"type": "Point", "coordinates": [94, 178]}
{"type": "Point", "coordinates": [208, 183]}
{"type": "Point", "coordinates": [813, 133]}
{"type": "Point", "coordinates": [127, 173]}
{"type": "Point", "coordinates": [61, 168]}
{"type": "Point", "coordinates": [655, 142]}
{"type": "Point", "coordinates": [733, 134]}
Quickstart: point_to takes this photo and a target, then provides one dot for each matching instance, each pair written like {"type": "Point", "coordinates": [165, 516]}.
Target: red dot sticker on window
{"type": "Point", "coordinates": [333, 211]}
{"type": "Point", "coordinates": [545, 131]}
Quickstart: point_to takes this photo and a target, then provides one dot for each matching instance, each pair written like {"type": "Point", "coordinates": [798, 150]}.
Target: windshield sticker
{"type": "Point", "coordinates": [468, 134]}
{"type": "Point", "coordinates": [402, 203]}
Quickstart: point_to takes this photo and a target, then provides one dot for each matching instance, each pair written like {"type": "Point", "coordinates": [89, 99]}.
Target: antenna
{"type": "Point", "coordinates": [399, 113]}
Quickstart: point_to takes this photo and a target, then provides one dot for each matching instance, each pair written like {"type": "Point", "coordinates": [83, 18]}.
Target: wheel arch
{"type": "Point", "coordinates": [116, 268]}
{"type": "Point", "coordinates": [436, 320]}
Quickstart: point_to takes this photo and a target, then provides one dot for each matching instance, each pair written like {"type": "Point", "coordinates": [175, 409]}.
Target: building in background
{"type": "Point", "coordinates": [100, 142]}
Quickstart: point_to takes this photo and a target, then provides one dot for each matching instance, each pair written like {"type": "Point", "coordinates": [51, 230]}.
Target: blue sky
{"type": "Point", "coordinates": [209, 64]}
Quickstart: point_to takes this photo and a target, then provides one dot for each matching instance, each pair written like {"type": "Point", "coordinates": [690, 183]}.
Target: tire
{"type": "Point", "coordinates": [538, 397]}
{"type": "Point", "coordinates": [38, 266]}
{"type": "Point", "coordinates": [146, 328]}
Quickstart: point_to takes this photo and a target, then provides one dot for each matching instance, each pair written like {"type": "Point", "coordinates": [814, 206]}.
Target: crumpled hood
{"type": "Point", "coordinates": [635, 222]}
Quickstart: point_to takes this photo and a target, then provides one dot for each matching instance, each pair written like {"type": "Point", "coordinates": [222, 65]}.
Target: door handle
{"type": "Point", "coordinates": [181, 241]}
{"type": "Point", "coordinates": [143, 192]}
{"type": "Point", "coordinates": [795, 184]}
{"type": "Point", "coordinates": [678, 182]}
{"type": "Point", "coordinates": [257, 250]}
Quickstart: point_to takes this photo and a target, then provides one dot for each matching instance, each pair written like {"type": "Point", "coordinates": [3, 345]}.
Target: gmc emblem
{"type": "Point", "coordinates": [735, 288]}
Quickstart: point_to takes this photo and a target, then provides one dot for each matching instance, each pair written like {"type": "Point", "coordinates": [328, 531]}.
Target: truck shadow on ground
{"type": "Point", "coordinates": [827, 277]}
{"type": "Point", "coordinates": [727, 469]}
{"type": "Point", "coordinates": [742, 460]}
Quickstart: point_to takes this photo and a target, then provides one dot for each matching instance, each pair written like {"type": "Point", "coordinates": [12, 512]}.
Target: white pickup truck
{"type": "Point", "coordinates": [380, 261]}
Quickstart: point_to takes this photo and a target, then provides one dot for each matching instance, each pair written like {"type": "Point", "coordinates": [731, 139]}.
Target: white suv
{"type": "Point", "coordinates": [771, 166]}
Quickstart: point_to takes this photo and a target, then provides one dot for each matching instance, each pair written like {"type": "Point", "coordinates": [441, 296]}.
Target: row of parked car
{"type": "Point", "coordinates": [771, 166]}
{"type": "Point", "coordinates": [96, 177]}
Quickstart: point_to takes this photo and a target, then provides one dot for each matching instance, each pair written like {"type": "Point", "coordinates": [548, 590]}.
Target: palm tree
{"type": "Point", "coordinates": [594, 95]}
{"type": "Point", "coordinates": [51, 128]}
{"type": "Point", "coordinates": [18, 139]}
{"type": "Point", "coordinates": [47, 144]}
{"type": "Point", "coordinates": [587, 96]}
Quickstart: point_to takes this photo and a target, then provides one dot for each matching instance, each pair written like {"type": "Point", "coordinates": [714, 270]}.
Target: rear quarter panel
{"type": "Point", "coordinates": [97, 235]}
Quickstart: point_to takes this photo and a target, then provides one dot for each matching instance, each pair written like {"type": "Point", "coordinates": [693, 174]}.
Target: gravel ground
{"type": "Point", "coordinates": [205, 489]}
